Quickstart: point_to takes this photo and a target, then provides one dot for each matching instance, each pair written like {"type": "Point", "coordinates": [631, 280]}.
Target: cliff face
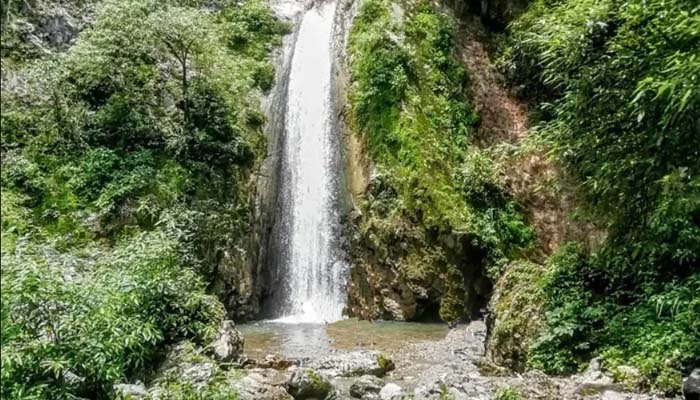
{"type": "Point", "coordinates": [432, 214]}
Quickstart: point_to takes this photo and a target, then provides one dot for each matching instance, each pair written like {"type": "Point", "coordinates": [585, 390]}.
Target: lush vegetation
{"type": "Point", "coordinates": [436, 206]}
{"type": "Point", "coordinates": [620, 84]}
{"type": "Point", "coordinates": [126, 167]}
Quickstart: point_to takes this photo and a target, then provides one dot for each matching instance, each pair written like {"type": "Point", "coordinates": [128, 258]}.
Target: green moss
{"type": "Point", "coordinates": [318, 384]}
{"type": "Point", "coordinates": [385, 363]}
{"type": "Point", "coordinates": [508, 393]}
{"type": "Point", "coordinates": [436, 202]}
{"type": "Point", "coordinates": [517, 314]}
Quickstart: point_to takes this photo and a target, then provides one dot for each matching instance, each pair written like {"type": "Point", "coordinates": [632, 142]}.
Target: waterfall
{"type": "Point", "coordinates": [311, 287]}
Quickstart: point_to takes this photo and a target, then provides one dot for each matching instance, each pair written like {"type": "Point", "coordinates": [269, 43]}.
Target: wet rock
{"type": "Point", "coordinates": [275, 361]}
{"type": "Point", "coordinates": [391, 391]}
{"type": "Point", "coordinates": [355, 363]}
{"type": "Point", "coordinates": [366, 384]}
{"type": "Point", "coordinates": [691, 385]}
{"type": "Point", "coordinates": [131, 391]}
{"type": "Point", "coordinates": [228, 345]}
{"type": "Point", "coordinates": [261, 384]}
{"type": "Point", "coordinates": [306, 383]}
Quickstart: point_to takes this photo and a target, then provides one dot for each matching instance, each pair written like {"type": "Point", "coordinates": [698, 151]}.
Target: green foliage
{"type": "Point", "coordinates": [102, 318]}
{"type": "Point", "coordinates": [126, 169]}
{"type": "Point", "coordinates": [516, 314]}
{"type": "Point", "coordinates": [508, 393]}
{"type": "Point", "coordinates": [634, 68]}
{"type": "Point", "coordinates": [432, 196]}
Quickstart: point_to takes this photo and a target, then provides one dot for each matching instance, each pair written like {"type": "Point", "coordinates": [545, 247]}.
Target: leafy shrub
{"type": "Point", "coordinates": [634, 69]}
{"type": "Point", "coordinates": [102, 321]}
{"type": "Point", "coordinates": [125, 185]}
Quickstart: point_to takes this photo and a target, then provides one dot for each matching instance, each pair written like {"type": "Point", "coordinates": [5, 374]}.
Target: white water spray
{"type": "Point", "coordinates": [315, 289]}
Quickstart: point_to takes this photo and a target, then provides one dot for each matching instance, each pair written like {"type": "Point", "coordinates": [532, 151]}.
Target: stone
{"type": "Point", "coordinates": [261, 384]}
{"type": "Point", "coordinates": [691, 385]}
{"type": "Point", "coordinates": [594, 365]}
{"type": "Point", "coordinates": [456, 394]}
{"type": "Point", "coordinates": [199, 374]}
{"type": "Point", "coordinates": [353, 363]}
{"type": "Point", "coordinates": [366, 384]}
{"type": "Point", "coordinates": [228, 345]}
{"type": "Point", "coordinates": [391, 391]}
{"type": "Point", "coordinates": [277, 362]}
{"type": "Point", "coordinates": [186, 363]}
{"type": "Point", "coordinates": [595, 386]}
{"type": "Point", "coordinates": [612, 395]}
{"type": "Point", "coordinates": [306, 383]}
{"type": "Point", "coordinates": [72, 379]}
{"type": "Point", "coordinates": [131, 391]}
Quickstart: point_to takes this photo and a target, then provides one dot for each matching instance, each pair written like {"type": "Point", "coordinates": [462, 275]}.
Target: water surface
{"type": "Point", "coordinates": [315, 340]}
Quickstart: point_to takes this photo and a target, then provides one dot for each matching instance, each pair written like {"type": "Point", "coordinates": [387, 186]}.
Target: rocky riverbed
{"type": "Point", "coordinates": [426, 364]}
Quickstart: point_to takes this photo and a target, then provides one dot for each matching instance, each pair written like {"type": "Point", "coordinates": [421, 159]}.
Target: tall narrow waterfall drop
{"type": "Point", "coordinates": [312, 273]}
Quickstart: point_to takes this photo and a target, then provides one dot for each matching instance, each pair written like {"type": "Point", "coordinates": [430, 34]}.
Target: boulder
{"type": "Point", "coordinates": [275, 361]}
{"type": "Point", "coordinates": [261, 384]}
{"type": "Point", "coordinates": [131, 391]}
{"type": "Point", "coordinates": [591, 387]}
{"type": "Point", "coordinates": [366, 384]}
{"type": "Point", "coordinates": [306, 383]}
{"type": "Point", "coordinates": [391, 391]}
{"type": "Point", "coordinates": [691, 385]}
{"type": "Point", "coordinates": [228, 345]}
{"type": "Point", "coordinates": [353, 363]}
{"type": "Point", "coordinates": [188, 364]}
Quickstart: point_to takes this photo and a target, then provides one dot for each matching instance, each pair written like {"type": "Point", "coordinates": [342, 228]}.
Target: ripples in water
{"type": "Point", "coordinates": [315, 340]}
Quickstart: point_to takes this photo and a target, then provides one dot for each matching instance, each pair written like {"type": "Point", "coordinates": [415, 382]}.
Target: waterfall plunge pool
{"type": "Point", "coordinates": [314, 340]}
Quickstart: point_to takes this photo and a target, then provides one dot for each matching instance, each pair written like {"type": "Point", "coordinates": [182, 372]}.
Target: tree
{"type": "Point", "coordinates": [183, 35]}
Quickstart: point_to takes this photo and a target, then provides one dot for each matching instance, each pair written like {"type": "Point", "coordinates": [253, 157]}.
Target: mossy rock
{"type": "Point", "coordinates": [385, 363]}
{"type": "Point", "coordinates": [309, 384]}
{"type": "Point", "coordinates": [516, 315]}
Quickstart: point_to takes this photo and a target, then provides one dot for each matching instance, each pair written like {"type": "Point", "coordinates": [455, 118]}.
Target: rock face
{"type": "Point", "coordinates": [691, 385]}
{"type": "Point", "coordinates": [403, 271]}
{"type": "Point", "coordinates": [366, 385]}
{"type": "Point", "coordinates": [306, 383]}
{"type": "Point", "coordinates": [228, 345]}
{"type": "Point", "coordinates": [498, 13]}
{"type": "Point", "coordinates": [39, 27]}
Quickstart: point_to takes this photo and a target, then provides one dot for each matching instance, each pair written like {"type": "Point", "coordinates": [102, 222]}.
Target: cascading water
{"type": "Point", "coordinates": [311, 272]}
